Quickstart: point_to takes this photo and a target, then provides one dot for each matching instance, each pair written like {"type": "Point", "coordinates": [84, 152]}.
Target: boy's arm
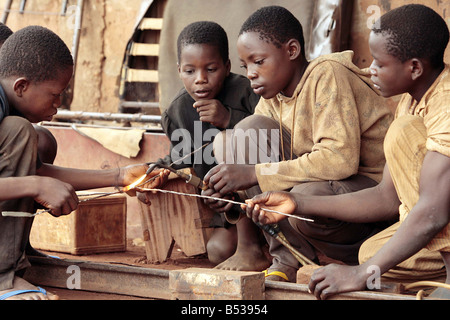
{"type": "Point", "coordinates": [18, 187]}
{"type": "Point", "coordinates": [428, 217]}
{"type": "Point", "coordinates": [379, 203]}
{"type": "Point", "coordinates": [53, 194]}
{"type": "Point", "coordinates": [92, 179]}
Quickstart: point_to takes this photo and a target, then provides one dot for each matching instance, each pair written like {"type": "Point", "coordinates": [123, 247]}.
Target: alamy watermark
{"type": "Point", "coordinates": [374, 19]}
{"type": "Point", "coordinates": [374, 280]}
{"type": "Point", "coordinates": [236, 146]}
{"type": "Point", "coordinates": [74, 280]}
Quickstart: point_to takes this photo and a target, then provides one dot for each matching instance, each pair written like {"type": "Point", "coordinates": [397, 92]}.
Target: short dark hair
{"type": "Point", "coordinates": [36, 53]}
{"type": "Point", "coordinates": [204, 32]}
{"type": "Point", "coordinates": [5, 32]}
{"type": "Point", "coordinates": [414, 31]}
{"type": "Point", "coordinates": [276, 25]}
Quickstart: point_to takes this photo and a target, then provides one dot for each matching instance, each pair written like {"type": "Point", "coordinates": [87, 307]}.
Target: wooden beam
{"type": "Point", "coordinates": [144, 49]}
{"type": "Point", "coordinates": [154, 283]}
{"type": "Point", "coordinates": [142, 75]}
{"type": "Point", "coordinates": [151, 24]}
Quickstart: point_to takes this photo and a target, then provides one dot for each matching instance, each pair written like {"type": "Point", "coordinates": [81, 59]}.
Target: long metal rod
{"type": "Point", "coordinates": [107, 116]}
{"type": "Point", "coordinates": [221, 199]}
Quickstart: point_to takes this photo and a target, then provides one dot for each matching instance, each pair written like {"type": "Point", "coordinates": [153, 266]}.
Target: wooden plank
{"type": "Point", "coordinates": [174, 217]}
{"type": "Point", "coordinates": [142, 75]}
{"type": "Point", "coordinates": [276, 290]}
{"type": "Point", "coordinates": [144, 49]}
{"type": "Point", "coordinates": [154, 283]}
{"type": "Point", "coordinates": [151, 24]}
{"type": "Point", "coordinates": [100, 277]}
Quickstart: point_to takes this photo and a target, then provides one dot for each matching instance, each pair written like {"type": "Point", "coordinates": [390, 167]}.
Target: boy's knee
{"type": "Point", "coordinates": [220, 146]}
{"type": "Point", "coordinates": [47, 145]}
{"type": "Point", "coordinates": [18, 128]}
{"type": "Point", "coordinates": [257, 121]}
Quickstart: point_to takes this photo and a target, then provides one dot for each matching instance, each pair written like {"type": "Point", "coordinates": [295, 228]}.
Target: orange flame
{"type": "Point", "coordinates": [134, 184]}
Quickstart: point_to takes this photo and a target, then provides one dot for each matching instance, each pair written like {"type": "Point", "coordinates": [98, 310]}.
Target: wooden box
{"type": "Point", "coordinates": [96, 226]}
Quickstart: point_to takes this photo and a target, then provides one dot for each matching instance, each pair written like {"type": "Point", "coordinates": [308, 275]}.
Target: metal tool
{"type": "Point", "coordinates": [188, 177]}
{"type": "Point", "coordinates": [21, 214]}
{"type": "Point", "coordinates": [274, 231]}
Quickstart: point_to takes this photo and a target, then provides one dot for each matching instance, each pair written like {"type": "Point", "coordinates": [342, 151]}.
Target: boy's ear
{"type": "Point", "coordinates": [294, 49]}
{"type": "Point", "coordinates": [416, 68]}
{"type": "Point", "coordinates": [20, 86]}
{"type": "Point", "coordinates": [228, 67]}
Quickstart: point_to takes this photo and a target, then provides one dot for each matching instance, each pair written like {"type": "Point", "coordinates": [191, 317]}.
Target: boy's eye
{"type": "Point", "coordinates": [243, 66]}
{"type": "Point", "coordinates": [212, 69]}
{"type": "Point", "coordinates": [259, 62]}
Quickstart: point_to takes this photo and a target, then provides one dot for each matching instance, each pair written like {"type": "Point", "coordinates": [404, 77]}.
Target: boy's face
{"type": "Point", "coordinates": [269, 68]}
{"type": "Point", "coordinates": [389, 74]}
{"type": "Point", "coordinates": [40, 101]}
{"type": "Point", "coordinates": [202, 71]}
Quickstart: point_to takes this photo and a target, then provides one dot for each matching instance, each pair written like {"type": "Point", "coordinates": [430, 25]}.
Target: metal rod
{"type": "Point", "coordinates": [221, 199]}
{"type": "Point", "coordinates": [106, 116]}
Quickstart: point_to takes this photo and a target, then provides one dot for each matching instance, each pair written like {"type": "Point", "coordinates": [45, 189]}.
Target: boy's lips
{"type": "Point", "coordinates": [258, 89]}
{"type": "Point", "coordinates": [202, 93]}
{"type": "Point", "coordinates": [375, 85]}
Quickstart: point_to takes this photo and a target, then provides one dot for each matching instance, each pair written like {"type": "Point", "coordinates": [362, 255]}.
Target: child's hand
{"type": "Point", "coordinates": [56, 195]}
{"type": "Point", "coordinates": [278, 201]}
{"type": "Point", "coordinates": [217, 206]}
{"type": "Point", "coordinates": [228, 178]}
{"type": "Point", "coordinates": [133, 173]}
{"type": "Point", "coordinates": [214, 112]}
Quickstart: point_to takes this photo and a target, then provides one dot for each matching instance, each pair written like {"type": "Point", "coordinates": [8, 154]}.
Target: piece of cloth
{"type": "Point", "coordinates": [337, 123]}
{"type": "Point", "coordinates": [124, 142]}
{"type": "Point", "coordinates": [18, 153]}
{"type": "Point", "coordinates": [182, 124]}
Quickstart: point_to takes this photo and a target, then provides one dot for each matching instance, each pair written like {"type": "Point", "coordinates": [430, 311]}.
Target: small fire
{"type": "Point", "coordinates": [134, 184]}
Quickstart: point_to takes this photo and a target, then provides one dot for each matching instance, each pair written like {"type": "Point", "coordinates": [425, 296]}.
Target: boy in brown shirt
{"type": "Point", "coordinates": [330, 126]}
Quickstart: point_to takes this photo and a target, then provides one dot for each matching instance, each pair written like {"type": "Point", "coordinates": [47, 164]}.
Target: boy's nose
{"type": "Point", "coordinates": [251, 74]}
{"type": "Point", "coordinates": [372, 69]}
{"type": "Point", "coordinates": [201, 77]}
{"type": "Point", "coordinates": [57, 102]}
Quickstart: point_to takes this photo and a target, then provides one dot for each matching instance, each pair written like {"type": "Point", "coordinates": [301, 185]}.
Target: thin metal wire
{"type": "Point", "coordinates": [220, 199]}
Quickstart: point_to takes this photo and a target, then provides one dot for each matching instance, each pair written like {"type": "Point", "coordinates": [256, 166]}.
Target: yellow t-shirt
{"type": "Point", "coordinates": [428, 123]}
{"type": "Point", "coordinates": [337, 123]}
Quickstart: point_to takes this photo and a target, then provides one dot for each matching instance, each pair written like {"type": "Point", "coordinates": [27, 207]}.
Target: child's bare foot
{"type": "Point", "coordinates": [30, 292]}
{"type": "Point", "coordinates": [246, 259]}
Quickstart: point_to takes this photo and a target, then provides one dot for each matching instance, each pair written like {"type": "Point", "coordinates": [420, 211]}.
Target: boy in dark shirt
{"type": "Point", "coordinates": [213, 99]}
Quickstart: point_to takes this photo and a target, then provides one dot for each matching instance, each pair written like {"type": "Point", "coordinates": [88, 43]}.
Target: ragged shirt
{"type": "Point", "coordinates": [337, 122]}
{"type": "Point", "coordinates": [405, 169]}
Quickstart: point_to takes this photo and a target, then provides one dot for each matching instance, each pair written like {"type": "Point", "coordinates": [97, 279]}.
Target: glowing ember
{"type": "Point", "coordinates": [134, 184]}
